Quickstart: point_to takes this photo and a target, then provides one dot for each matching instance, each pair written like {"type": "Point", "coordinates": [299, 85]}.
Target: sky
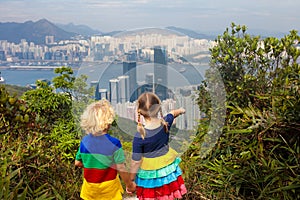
{"type": "Point", "coordinates": [199, 15]}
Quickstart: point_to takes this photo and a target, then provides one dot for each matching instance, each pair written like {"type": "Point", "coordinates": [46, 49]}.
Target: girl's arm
{"type": "Point", "coordinates": [130, 185]}
{"type": "Point", "coordinates": [135, 165]}
{"type": "Point", "coordinates": [177, 112]}
{"type": "Point", "coordinates": [78, 164]}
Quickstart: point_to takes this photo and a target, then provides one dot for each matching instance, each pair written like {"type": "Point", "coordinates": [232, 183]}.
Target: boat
{"type": "Point", "coordinates": [2, 80]}
{"type": "Point", "coordinates": [181, 70]}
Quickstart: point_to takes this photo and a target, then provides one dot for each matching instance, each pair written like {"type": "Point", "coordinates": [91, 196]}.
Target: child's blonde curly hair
{"type": "Point", "coordinates": [97, 117]}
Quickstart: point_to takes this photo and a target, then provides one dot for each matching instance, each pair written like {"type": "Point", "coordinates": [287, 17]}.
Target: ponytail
{"type": "Point", "coordinates": [140, 127]}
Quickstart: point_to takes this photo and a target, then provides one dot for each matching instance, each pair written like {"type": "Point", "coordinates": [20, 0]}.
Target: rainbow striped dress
{"type": "Point", "coordinates": [99, 155]}
{"type": "Point", "coordinates": [159, 176]}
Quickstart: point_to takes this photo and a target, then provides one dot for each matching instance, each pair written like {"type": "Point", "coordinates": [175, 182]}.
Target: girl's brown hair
{"type": "Point", "coordinates": [149, 106]}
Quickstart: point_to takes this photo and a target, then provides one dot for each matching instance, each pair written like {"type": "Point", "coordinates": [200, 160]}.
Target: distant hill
{"type": "Point", "coordinates": [143, 31]}
{"type": "Point", "coordinates": [32, 31]}
{"type": "Point", "coordinates": [79, 29]}
{"type": "Point", "coordinates": [112, 33]}
{"type": "Point", "coordinates": [191, 33]}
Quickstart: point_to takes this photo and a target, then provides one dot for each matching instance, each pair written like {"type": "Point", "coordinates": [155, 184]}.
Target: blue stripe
{"type": "Point", "coordinates": [104, 144]}
{"type": "Point", "coordinates": [158, 182]}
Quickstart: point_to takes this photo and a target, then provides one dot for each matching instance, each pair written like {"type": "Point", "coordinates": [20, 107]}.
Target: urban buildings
{"type": "Point", "coordinates": [154, 46]}
{"type": "Point", "coordinates": [102, 48]}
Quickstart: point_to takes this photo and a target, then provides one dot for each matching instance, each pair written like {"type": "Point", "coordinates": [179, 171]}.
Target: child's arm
{"type": "Point", "coordinates": [177, 112]}
{"type": "Point", "coordinates": [135, 165]}
{"type": "Point", "coordinates": [130, 185]}
{"type": "Point", "coordinates": [78, 164]}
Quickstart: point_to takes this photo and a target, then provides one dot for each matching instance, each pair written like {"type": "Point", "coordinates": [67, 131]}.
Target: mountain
{"type": "Point", "coordinates": [191, 33]}
{"type": "Point", "coordinates": [112, 33]}
{"type": "Point", "coordinates": [32, 31]}
{"type": "Point", "coordinates": [79, 29]}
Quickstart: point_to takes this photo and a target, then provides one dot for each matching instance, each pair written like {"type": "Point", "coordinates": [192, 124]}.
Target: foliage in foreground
{"type": "Point", "coordinates": [39, 137]}
{"type": "Point", "coordinates": [258, 154]}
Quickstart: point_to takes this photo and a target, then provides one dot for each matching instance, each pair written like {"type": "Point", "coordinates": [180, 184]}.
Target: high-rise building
{"type": "Point", "coordinates": [103, 94]}
{"type": "Point", "coordinates": [131, 56]}
{"type": "Point", "coordinates": [2, 55]}
{"type": "Point", "coordinates": [160, 72]}
{"type": "Point", "coordinates": [149, 78]}
{"type": "Point", "coordinates": [190, 119]}
{"type": "Point", "coordinates": [49, 39]}
{"type": "Point", "coordinates": [100, 93]}
{"type": "Point", "coordinates": [129, 69]}
{"type": "Point", "coordinates": [149, 86]}
{"type": "Point", "coordinates": [114, 91]}
{"type": "Point", "coordinates": [123, 88]}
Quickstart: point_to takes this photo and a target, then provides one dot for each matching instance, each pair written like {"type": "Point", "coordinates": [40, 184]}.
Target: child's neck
{"type": "Point", "coordinates": [152, 123]}
{"type": "Point", "coordinates": [100, 133]}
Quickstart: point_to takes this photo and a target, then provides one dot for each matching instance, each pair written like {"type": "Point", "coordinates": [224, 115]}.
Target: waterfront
{"type": "Point", "coordinates": [103, 72]}
{"type": "Point", "coordinates": [25, 77]}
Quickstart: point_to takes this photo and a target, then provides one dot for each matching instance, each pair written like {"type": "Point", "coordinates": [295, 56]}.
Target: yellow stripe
{"type": "Point", "coordinates": [159, 162]}
{"type": "Point", "coordinates": [108, 190]}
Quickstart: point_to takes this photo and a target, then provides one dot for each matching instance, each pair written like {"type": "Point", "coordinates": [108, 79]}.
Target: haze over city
{"type": "Point", "coordinates": [199, 15]}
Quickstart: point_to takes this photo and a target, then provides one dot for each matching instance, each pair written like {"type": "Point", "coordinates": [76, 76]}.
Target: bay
{"type": "Point", "coordinates": [178, 74]}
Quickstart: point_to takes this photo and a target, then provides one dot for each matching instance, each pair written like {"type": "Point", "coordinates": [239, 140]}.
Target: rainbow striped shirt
{"type": "Point", "coordinates": [99, 155]}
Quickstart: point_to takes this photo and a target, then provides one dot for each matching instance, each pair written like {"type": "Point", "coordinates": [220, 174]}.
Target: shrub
{"type": "Point", "coordinates": [257, 155]}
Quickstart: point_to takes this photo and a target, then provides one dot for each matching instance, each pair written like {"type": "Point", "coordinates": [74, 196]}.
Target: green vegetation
{"type": "Point", "coordinates": [258, 153]}
{"type": "Point", "coordinates": [256, 157]}
{"type": "Point", "coordinates": [39, 139]}
{"type": "Point", "coordinates": [15, 89]}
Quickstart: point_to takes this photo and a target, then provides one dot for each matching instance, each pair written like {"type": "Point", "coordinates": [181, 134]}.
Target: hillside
{"type": "Point", "coordinates": [190, 33]}
{"type": "Point", "coordinates": [32, 31]}
{"type": "Point", "coordinates": [79, 29]}
{"type": "Point", "coordinates": [15, 90]}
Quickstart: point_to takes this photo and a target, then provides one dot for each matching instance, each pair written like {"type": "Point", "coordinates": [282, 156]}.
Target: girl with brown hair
{"type": "Point", "coordinates": [155, 165]}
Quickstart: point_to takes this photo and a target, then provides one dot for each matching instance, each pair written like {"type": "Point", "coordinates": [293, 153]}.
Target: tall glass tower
{"type": "Point", "coordinates": [129, 69]}
{"type": "Point", "coordinates": [123, 88]}
{"type": "Point", "coordinates": [160, 72]}
{"type": "Point", "coordinates": [114, 91]}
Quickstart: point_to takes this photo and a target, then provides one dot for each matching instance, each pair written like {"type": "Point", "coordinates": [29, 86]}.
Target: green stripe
{"type": "Point", "coordinates": [99, 161]}
{"type": "Point", "coordinates": [119, 156]}
{"type": "Point", "coordinates": [150, 174]}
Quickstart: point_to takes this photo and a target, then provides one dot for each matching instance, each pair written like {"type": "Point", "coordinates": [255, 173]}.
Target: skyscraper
{"type": "Point", "coordinates": [160, 72]}
{"type": "Point", "coordinates": [103, 94]}
{"type": "Point", "coordinates": [49, 39]}
{"type": "Point", "coordinates": [129, 69]}
{"type": "Point", "coordinates": [114, 91]}
{"type": "Point", "coordinates": [123, 88]}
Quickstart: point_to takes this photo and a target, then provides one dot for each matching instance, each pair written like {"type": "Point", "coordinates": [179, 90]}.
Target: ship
{"type": "Point", "coordinates": [181, 70]}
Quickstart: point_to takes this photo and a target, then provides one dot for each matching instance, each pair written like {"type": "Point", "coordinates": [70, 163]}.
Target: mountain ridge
{"type": "Point", "coordinates": [32, 31]}
{"type": "Point", "coordinates": [36, 31]}
{"type": "Point", "coordinates": [79, 29]}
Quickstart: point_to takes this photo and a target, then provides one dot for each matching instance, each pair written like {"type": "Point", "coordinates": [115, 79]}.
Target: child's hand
{"type": "Point", "coordinates": [181, 110]}
{"type": "Point", "coordinates": [78, 164]}
{"type": "Point", "coordinates": [131, 187]}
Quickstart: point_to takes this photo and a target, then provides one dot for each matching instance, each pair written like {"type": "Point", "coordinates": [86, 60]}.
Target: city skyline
{"type": "Point", "coordinates": [198, 15]}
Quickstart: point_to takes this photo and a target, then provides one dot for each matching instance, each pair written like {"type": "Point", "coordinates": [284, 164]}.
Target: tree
{"type": "Point", "coordinates": [257, 156]}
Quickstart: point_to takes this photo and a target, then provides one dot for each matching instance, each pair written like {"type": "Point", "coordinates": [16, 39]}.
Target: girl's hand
{"type": "Point", "coordinates": [78, 164]}
{"type": "Point", "coordinates": [131, 188]}
{"type": "Point", "coordinates": [181, 110]}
